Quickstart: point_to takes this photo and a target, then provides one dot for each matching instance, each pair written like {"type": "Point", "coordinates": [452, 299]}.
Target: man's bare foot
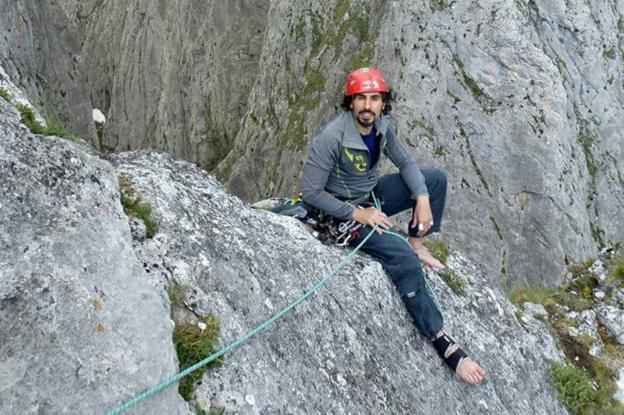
{"type": "Point", "coordinates": [424, 254]}
{"type": "Point", "coordinates": [469, 371]}
{"type": "Point", "coordinates": [466, 368]}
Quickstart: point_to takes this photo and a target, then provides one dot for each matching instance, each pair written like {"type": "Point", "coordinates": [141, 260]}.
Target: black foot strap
{"type": "Point", "coordinates": [449, 351]}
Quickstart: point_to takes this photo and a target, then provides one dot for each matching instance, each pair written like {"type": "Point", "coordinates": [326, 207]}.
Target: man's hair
{"type": "Point", "coordinates": [387, 97]}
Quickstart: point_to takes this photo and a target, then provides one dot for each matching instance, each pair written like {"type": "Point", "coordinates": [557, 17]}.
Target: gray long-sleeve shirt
{"type": "Point", "coordinates": [338, 166]}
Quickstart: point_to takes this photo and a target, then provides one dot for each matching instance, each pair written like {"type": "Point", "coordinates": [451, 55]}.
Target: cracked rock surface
{"type": "Point", "coordinates": [351, 348]}
{"type": "Point", "coordinates": [82, 328]}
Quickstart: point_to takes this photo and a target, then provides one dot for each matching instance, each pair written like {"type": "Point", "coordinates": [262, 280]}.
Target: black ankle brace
{"type": "Point", "coordinates": [442, 344]}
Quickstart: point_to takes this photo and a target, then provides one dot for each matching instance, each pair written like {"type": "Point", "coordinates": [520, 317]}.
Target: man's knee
{"type": "Point", "coordinates": [438, 177]}
{"type": "Point", "coordinates": [411, 284]}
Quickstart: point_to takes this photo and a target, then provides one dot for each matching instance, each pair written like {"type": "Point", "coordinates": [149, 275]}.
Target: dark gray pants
{"type": "Point", "coordinates": [397, 257]}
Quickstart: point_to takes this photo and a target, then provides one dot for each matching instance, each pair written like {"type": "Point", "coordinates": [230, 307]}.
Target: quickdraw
{"type": "Point", "coordinates": [348, 231]}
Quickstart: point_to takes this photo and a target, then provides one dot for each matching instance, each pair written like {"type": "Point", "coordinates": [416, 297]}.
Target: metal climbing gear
{"type": "Point", "coordinates": [347, 231]}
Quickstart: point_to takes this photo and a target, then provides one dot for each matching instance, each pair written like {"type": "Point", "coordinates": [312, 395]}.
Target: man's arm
{"type": "Point", "coordinates": [407, 165]}
{"type": "Point", "coordinates": [322, 158]}
{"type": "Point", "coordinates": [414, 179]}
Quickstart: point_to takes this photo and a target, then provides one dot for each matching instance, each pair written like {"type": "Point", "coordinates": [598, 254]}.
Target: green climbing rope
{"type": "Point", "coordinates": [168, 382]}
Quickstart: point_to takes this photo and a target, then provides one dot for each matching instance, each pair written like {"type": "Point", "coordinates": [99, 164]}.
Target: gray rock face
{"type": "Point", "coordinates": [164, 70]}
{"type": "Point", "coordinates": [613, 320]}
{"type": "Point", "coordinates": [351, 348]}
{"type": "Point", "coordinates": [82, 327]}
{"type": "Point", "coordinates": [521, 104]}
{"type": "Point", "coordinates": [42, 57]}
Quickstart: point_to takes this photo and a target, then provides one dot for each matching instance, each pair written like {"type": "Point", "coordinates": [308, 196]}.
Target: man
{"type": "Point", "coordinates": [339, 177]}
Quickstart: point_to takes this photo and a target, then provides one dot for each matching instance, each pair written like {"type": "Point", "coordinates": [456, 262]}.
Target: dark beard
{"type": "Point", "coordinates": [366, 124]}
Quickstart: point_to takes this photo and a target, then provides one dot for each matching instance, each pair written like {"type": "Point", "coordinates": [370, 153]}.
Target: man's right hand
{"type": "Point", "coordinates": [371, 217]}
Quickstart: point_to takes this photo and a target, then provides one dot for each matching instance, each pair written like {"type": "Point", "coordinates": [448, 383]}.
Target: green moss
{"type": "Point", "coordinates": [574, 387]}
{"type": "Point", "coordinates": [193, 345]}
{"type": "Point", "coordinates": [477, 169]}
{"type": "Point", "coordinates": [438, 5]}
{"type": "Point", "coordinates": [487, 104]}
{"type": "Point", "coordinates": [298, 30]}
{"type": "Point", "coordinates": [610, 54]}
{"type": "Point", "coordinates": [5, 95]}
{"type": "Point", "coordinates": [360, 26]}
{"type": "Point", "coordinates": [315, 83]}
{"type": "Point", "coordinates": [586, 139]}
{"type": "Point", "coordinates": [470, 83]}
{"type": "Point", "coordinates": [340, 10]}
{"type": "Point", "coordinates": [496, 228]}
{"type": "Point", "coordinates": [438, 249]}
{"type": "Point", "coordinates": [317, 38]}
{"type": "Point", "coordinates": [456, 99]}
{"type": "Point", "coordinates": [419, 122]}
{"type": "Point", "coordinates": [131, 202]}
{"type": "Point", "coordinates": [364, 58]}
{"type": "Point", "coordinates": [293, 135]}
{"type": "Point", "coordinates": [597, 234]}
{"type": "Point", "coordinates": [455, 282]}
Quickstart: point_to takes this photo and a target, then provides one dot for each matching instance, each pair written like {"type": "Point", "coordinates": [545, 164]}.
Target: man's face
{"type": "Point", "coordinates": [367, 108]}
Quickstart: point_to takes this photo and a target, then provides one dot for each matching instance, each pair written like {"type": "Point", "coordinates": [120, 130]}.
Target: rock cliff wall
{"type": "Point", "coordinates": [41, 54]}
{"type": "Point", "coordinates": [521, 103]}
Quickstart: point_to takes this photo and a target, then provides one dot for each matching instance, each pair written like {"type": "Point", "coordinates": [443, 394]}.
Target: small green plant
{"type": "Point", "coordinates": [176, 294]}
{"type": "Point", "coordinates": [549, 298]}
{"type": "Point", "coordinates": [5, 95]}
{"type": "Point", "coordinates": [193, 344]}
{"type": "Point", "coordinates": [454, 282]}
{"type": "Point", "coordinates": [131, 202]}
{"type": "Point", "coordinates": [438, 249]}
{"type": "Point", "coordinates": [617, 273]}
{"type": "Point", "coordinates": [544, 296]}
{"type": "Point", "coordinates": [578, 269]}
{"type": "Point", "coordinates": [574, 387]}
{"type": "Point", "coordinates": [28, 119]}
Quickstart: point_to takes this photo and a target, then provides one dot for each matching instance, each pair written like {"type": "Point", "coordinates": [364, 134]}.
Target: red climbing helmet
{"type": "Point", "coordinates": [365, 80]}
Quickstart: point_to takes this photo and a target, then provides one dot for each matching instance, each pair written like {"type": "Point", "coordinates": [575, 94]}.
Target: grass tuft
{"type": "Point", "coordinates": [617, 272]}
{"type": "Point", "coordinates": [193, 345]}
{"type": "Point", "coordinates": [5, 95]}
{"type": "Point", "coordinates": [131, 202]}
{"type": "Point", "coordinates": [455, 282]}
{"type": "Point", "coordinates": [574, 386]}
{"type": "Point", "coordinates": [578, 269]}
{"type": "Point", "coordinates": [176, 294]}
{"type": "Point", "coordinates": [54, 127]}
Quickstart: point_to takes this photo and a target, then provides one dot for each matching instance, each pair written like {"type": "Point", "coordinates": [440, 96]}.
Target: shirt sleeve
{"type": "Point", "coordinates": [322, 157]}
{"type": "Point", "coordinates": [406, 163]}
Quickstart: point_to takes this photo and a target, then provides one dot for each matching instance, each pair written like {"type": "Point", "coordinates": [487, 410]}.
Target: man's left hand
{"type": "Point", "coordinates": [423, 218]}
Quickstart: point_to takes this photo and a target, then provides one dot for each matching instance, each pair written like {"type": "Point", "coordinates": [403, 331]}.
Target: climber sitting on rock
{"type": "Point", "coordinates": [339, 178]}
